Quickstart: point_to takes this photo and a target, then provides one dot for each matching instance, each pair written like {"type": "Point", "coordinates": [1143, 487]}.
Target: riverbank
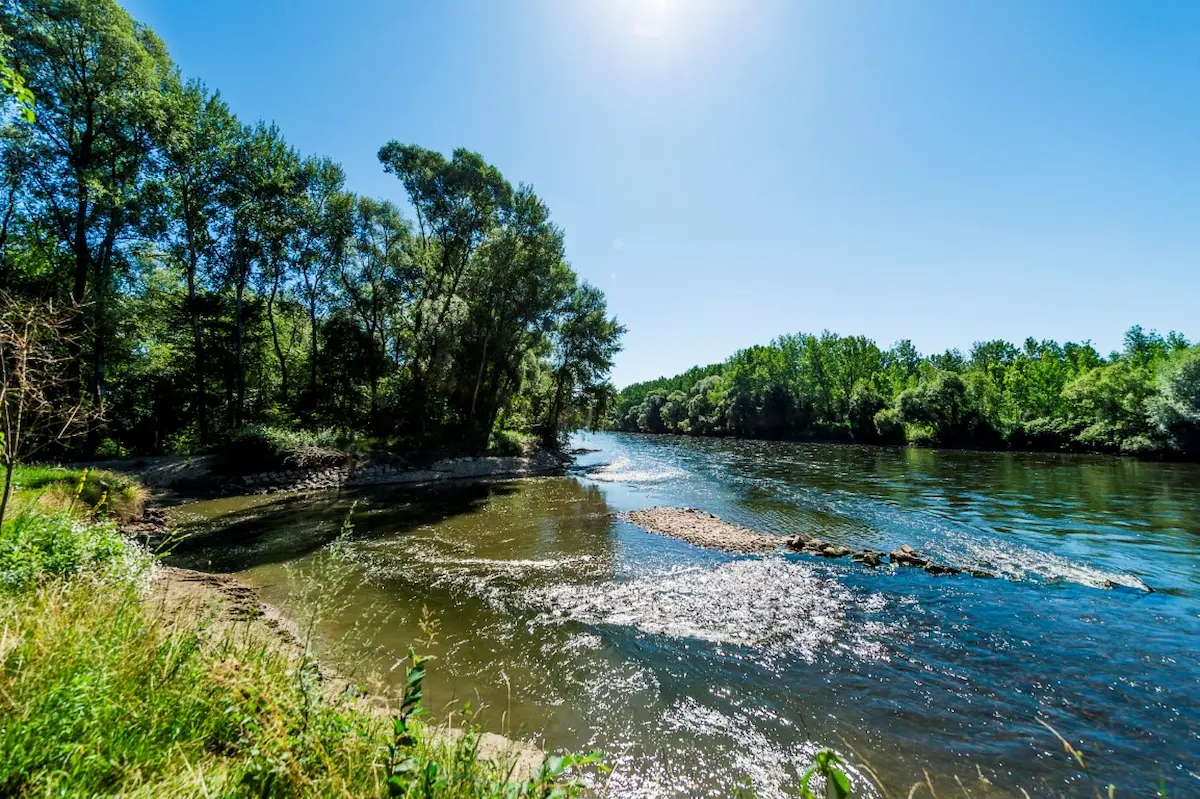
{"type": "Point", "coordinates": [234, 611]}
{"type": "Point", "coordinates": [123, 675]}
{"type": "Point", "coordinates": [177, 479]}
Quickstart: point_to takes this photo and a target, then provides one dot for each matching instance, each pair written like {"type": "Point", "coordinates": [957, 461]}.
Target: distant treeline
{"type": "Point", "coordinates": [221, 278]}
{"type": "Point", "coordinates": [1144, 399]}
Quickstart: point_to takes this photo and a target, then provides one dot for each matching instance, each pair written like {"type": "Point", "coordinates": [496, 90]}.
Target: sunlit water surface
{"type": "Point", "coordinates": [697, 672]}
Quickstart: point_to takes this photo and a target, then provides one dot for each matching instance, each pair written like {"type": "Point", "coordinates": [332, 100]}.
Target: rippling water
{"type": "Point", "coordinates": [699, 671]}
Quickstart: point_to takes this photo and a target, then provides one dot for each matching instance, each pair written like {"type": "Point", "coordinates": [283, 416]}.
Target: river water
{"type": "Point", "coordinates": [698, 672]}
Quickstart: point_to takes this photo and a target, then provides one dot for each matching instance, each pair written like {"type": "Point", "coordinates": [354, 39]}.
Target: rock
{"type": "Point", "coordinates": [834, 551]}
{"type": "Point", "coordinates": [867, 558]}
{"type": "Point", "coordinates": [907, 556]}
{"type": "Point", "coordinates": [796, 542]}
{"type": "Point", "coordinates": [941, 568]}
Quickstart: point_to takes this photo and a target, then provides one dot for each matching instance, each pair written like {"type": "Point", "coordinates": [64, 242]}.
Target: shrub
{"type": "Point", "coordinates": [109, 448]}
{"type": "Point", "coordinates": [510, 442]}
{"type": "Point", "coordinates": [889, 427]}
{"type": "Point", "coordinates": [259, 448]}
{"type": "Point", "coordinates": [36, 545]}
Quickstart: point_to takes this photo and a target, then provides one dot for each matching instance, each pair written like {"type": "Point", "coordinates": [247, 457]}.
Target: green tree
{"type": "Point", "coordinates": [98, 76]}
{"type": "Point", "coordinates": [585, 341]}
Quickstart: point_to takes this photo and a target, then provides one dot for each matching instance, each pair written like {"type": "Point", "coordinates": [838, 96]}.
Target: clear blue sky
{"type": "Point", "coordinates": [944, 171]}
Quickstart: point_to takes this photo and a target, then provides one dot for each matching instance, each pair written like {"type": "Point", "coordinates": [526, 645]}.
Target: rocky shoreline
{"type": "Point", "coordinates": [704, 529]}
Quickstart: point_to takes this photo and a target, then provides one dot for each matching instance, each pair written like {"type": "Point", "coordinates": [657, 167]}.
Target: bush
{"type": "Point", "coordinates": [109, 448]}
{"type": "Point", "coordinates": [511, 442]}
{"type": "Point", "coordinates": [36, 545]}
{"type": "Point", "coordinates": [259, 448]}
{"type": "Point", "coordinates": [889, 427]}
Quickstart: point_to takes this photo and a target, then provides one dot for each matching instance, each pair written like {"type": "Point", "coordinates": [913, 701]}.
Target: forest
{"type": "Point", "coordinates": [217, 278]}
{"type": "Point", "coordinates": [1042, 395]}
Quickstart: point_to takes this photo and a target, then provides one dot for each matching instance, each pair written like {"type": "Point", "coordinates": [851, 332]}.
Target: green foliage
{"type": "Point", "coordinates": [1042, 395]}
{"type": "Point", "coordinates": [12, 85]}
{"type": "Point", "coordinates": [261, 448]}
{"type": "Point", "coordinates": [36, 545]}
{"type": "Point", "coordinates": [827, 765]}
{"type": "Point", "coordinates": [1174, 411]}
{"type": "Point", "coordinates": [228, 281]}
{"type": "Point", "coordinates": [511, 442]}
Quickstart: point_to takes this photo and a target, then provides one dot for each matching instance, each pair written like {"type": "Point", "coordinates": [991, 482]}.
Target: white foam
{"type": "Point", "coordinates": [623, 470]}
{"type": "Point", "coordinates": [1018, 562]}
{"type": "Point", "coordinates": [775, 605]}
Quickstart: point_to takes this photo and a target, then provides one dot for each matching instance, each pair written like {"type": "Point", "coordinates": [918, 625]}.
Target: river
{"type": "Point", "coordinates": [697, 672]}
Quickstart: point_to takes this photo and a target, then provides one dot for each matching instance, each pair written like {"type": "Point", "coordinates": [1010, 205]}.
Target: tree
{"type": "Point", "coordinates": [456, 202]}
{"type": "Point", "coordinates": [585, 341]}
{"type": "Point", "coordinates": [37, 405]}
{"type": "Point", "coordinates": [374, 275]}
{"type": "Point", "coordinates": [326, 226]}
{"type": "Point", "coordinates": [1175, 409]}
{"type": "Point", "coordinates": [98, 77]}
{"type": "Point", "coordinates": [195, 147]}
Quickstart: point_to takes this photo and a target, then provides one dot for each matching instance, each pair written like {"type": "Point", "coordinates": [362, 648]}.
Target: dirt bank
{"type": "Point", "coordinates": [234, 609]}
{"type": "Point", "coordinates": [703, 529]}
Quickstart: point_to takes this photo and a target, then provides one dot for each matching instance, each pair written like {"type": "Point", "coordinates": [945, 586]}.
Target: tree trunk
{"type": "Point", "coordinates": [193, 266]}
{"type": "Point", "coordinates": [198, 352]}
{"type": "Point", "coordinates": [240, 327]}
{"type": "Point", "coordinates": [312, 363]}
{"type": "Point", "coordinates": [8, 475]}
{"type": "Point", "coordinates": [283, 375]}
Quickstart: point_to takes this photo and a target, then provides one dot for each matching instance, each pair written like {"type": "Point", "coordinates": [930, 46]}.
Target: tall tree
{"type": "Point", "coordinates": [196, 145]}
{"type": "Point", "coordinates": [98, 76]}
{"type": "Point", "coordinates": [585, 342]}
{"type": "Point", "coordinates": [456, 202]}
{"type": "Point", "coordinates": [326, 224]}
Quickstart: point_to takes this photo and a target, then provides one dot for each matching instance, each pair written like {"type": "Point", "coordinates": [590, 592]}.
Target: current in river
{"type": "Point", "coordinates": [699, 672]}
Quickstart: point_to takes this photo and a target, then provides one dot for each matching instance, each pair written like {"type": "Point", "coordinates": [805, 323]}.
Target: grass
{"type": "Point", "coordinates": [52, 489]}
{"type": "Point", "coordinates": [105, 691]}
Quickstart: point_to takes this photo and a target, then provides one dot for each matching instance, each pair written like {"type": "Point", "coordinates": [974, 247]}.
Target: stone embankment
{"type": "Point", "coordinates": [706, 530]}
{"type": "Point", "coordinates": [353, 476]}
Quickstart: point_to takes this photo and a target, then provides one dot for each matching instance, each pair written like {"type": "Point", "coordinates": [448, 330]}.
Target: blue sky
{"type": "Point", "coordinates": [725, 171]}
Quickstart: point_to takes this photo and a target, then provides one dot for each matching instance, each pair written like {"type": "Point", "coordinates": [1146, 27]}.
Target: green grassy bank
{"type": "Point", "coordinates": [102, 693]}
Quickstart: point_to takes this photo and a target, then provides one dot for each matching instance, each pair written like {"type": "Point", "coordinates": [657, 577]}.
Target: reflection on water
{"type": "Point", "coordinates": [695, 670]}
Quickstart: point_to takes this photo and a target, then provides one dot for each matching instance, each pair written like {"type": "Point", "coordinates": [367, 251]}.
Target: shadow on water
{"type": "Point", "coordinates": [241, 533]}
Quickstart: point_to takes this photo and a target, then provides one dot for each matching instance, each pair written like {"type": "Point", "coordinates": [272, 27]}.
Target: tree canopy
{"type": "Point", "coordinates": [226, 279]}
{"type": "Point", "coordinates": [1042, 395]}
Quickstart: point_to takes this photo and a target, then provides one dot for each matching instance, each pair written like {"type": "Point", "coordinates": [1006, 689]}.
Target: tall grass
{"type": "Point", "coordinates": [47, 488]}
{"type": "Point", "coordinates": [106, 692]}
